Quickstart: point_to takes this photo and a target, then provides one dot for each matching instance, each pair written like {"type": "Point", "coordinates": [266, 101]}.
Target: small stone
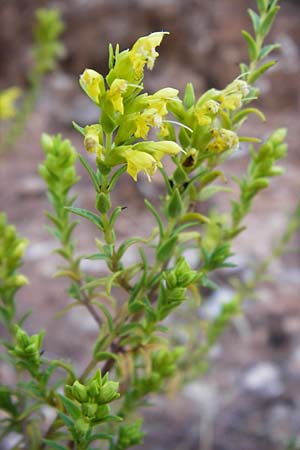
{"type": "Point", "coordinates": [264, 380]}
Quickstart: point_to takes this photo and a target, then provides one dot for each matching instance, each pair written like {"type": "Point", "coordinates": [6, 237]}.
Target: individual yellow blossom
{"type": "Point", "coordinates": [92, 83]}
{"type": "Point", "coordinates": [91, 139]}
{"type": "Point", "coordinates": [7, 102]}
{"type": "Point", "coordinates": [143, 52]}
{"type": "Point", "coordinates": [164, 130]}
{"type": "Point", "coordinates": [115, 94]}
{"type": "Point", "coordinates": [142, 157]}
{"type": "Point", "coordinates": [231, 97]}
{"type": "Point", "coordinates": [160, 99]}
{"type": "Point", "coordinates": [158, 149]}
{"type": "Point", "coordinates": [223, 140]}
{"type": "Point", "coordinates": [139, 161]}
{"type": "Point", "coordinates": [207, 112]}
{"type": "Point", "coordinates": [145, 121]}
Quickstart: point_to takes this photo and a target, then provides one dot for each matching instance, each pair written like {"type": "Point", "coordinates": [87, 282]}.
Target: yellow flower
{"type": "Point", "coordinates": [139, 161]}
{"type": "Point", "coordinates": [144, 121]}
{"type": "Point", "coordinates": [158, 149]}
{"type": "Point", "coordinates": [115, 94]}
{"type": "Point", "coordinates": [160, 99]}
{"type": "Point", "coordinates": [223, 140]}
{"type": "Point", "coordinates": [231, 97]}
{"type": "Point", "coordinates": [143, 52]}
{"type": "Point", "coordinates": [91, 139]}
{"type": "Point", "coordinates": [7, 102]}
{"type": "Point", "coordinates": [92, 83]}
{"type": "Point", "coordinates": [207, 112]}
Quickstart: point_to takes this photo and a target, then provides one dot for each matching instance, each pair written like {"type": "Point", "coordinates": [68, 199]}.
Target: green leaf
{"type": "Point", "coordinates": [262, 5]}
{"type": "Point", "coordinates": [54, 445]}
{"type": "Point", "coordinates": [78, 128]}
{"type": "Point", "coordinates": [252, 49]}
{"type": "Point", "coordinates": [96, 436]}
{"type": "Point", "coordinates": [107, 315]}
{"type": "Point", "coordinates": [104, 356]}
{"type": "Point", "coordinates": [115, 177]}
{"type": "Point", "coordinates": [257, 73]}
{"type": "Point", "coordinates": [90, 172]}
{"type": "Point", "coordinates": [87, 215]}
{"type": "Point", "coordinates": [255, 20]}
{"type": "Point", "coordinates": [157, 217]}
{"type": "Point", "coordinates": [266, 23]}
{"type": "Point", "coordinates": [115, 214]}
{"type": "Point", "coordinates": [241, 115]}
{"type": "Point", "coordinates": [210, 191]}
{"type": "Point", "coordinates": [96, 256]}
{"type": "Point", "coordinates": [164, 251]}
{"type": "Point", "coordinates": [266, 50]}
{"type": "Point", "coordinates": [71, 407]}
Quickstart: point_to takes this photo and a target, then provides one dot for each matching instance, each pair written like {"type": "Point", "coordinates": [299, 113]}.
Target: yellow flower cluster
{"type": "Point", "coordinates": [207, 112]}
{"type": "Point", "coordinates": [8, 98]}
{"type": "Point", "coordinates": [232, 96]}
{"type": "Point", "coordinates": [223, 140]}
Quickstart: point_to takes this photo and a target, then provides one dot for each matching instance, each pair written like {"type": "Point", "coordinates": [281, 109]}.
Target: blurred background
{"type": "Point", "coordinates": [250, 397]}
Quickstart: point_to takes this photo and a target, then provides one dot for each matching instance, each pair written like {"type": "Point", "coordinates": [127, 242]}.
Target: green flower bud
{"type": "Point", "coordinates": [89, 409]}
{"type": "Point", "coordinates": [108, 392]}
{"type": "Point", "coordinates": [82, 427]}
{"type": "Point", "coordinates": [260, 183]}
{"type": "Point", "coordinates": [278, 136]}
{"type": "Point", "coordinates": [180, 175]}
{"type": "Point", "coordinates": [189, 96]}
{"type": "Point", "coordinates": [93, 388]}
{"type": "Point", "coordinates": [103, 203]}
{"type": "Point", "coordinates": [177, 294]}
{"type": "Point", "coordinates": [175, 205]}
{"type": "Point", "coordinates": [79, 392]}
{"type": "Point", "coordinates": [104, 169]}
{"type": "Point", "coordinates": [276, 171]}
{"type": "Point", "coordinates": [171, 279]}
{"type": "Point", "coordinates": [47, 142]}
{"type": "Point", "coordinates": [102, 412]}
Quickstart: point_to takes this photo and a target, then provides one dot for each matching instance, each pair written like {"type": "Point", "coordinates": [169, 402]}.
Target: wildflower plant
{"type": "Point", "coordinates": [133, 355]}
{"type": "Point", "coordinates": [46, 50]}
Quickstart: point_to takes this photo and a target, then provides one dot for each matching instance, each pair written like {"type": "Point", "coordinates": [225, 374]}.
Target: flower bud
{"type": "Point", "coordinates": [103, 203]}
{"type": "Point", "coordinates": [108, 392]}
{"type": "Point", "coordinates": [79, 392]}
{"type": "Point", "coordinates": [89, 409]}
{"type": "Point", "coordinates": [102, 412]}
{"type": "Point", "coordinates": [175, 204]}
{"type": "Point", "coordinates": [92, 83]}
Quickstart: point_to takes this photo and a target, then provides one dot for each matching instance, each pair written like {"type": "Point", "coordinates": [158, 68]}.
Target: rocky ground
{"type": "Point", "coordinates": [250, 398]}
